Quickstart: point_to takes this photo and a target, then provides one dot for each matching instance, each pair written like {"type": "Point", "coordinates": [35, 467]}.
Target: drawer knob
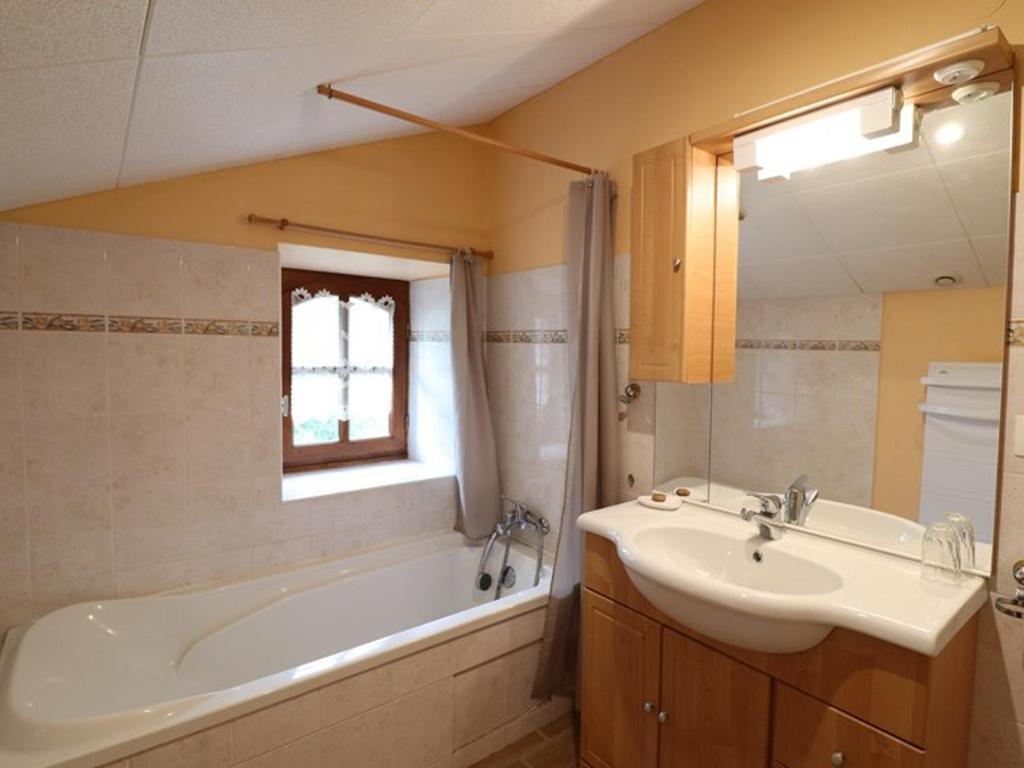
{"type": "Point", "coordinates": [648, 707]}
{"type": "Point", "coordinates": [662, 717]}
{"type": "Point", "coordinates": [837, 759]}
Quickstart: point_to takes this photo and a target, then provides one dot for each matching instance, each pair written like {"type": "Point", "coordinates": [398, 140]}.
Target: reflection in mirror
{"type": "Point", "coordinates": [870, 334]}
{"type": "Point", "coordinates": [682, 435]}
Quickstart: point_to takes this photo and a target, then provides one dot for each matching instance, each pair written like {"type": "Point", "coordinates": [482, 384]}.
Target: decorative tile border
{"type": "Point", "coordinates": [1015, 333]}
{"type": "Point", "coordinates": [46, 321]}
{"type": "Point", "coordinates": [527, 337]}
{"type": "Point", "coordinates": [812, 345]}
{"type": "Point", "coordinates": [444, 336]}
{"type": "Point", "coordinates": [622, 335]}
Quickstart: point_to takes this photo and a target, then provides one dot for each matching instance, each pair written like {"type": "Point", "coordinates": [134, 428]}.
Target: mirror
{"type": "Point", "coordinates": [870, 334]}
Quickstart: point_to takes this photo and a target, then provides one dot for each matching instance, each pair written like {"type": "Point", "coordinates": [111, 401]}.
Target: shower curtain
{"type": "Point", "coordinates": [592, 463]}
{"type": "Point", "coordinates": [476, 458]}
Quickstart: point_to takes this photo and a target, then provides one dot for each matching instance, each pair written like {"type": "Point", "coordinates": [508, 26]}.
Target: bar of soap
{"type": "Point", "coordinates": [682, 491]}
{"type": "Point", "coordinates": [658, 496]}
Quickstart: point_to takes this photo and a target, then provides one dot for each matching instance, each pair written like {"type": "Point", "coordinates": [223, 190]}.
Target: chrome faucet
{"type": "Point", "coordinates": [517, 517]}
{"type": "Point", "coordinates": [768, 517]}
{"type": "Point", "coordinates": [797, 501]}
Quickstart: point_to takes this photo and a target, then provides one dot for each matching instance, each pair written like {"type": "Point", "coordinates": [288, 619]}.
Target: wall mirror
{"type": "Point", "coordinates": [870, 331]}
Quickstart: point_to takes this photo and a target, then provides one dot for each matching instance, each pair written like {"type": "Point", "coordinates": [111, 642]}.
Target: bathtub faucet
{"type": "Point", "coordinates": [516, 517]}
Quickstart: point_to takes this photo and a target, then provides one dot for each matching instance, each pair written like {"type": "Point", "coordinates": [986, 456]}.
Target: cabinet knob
{"type": "Point", "coordinates": [662, 717]}
{"type": "Point", "coordinates": [837, 759]}
{"type": "Point", "coordinates": [648, 707]}
{"type": "Point", "coordinates": [676, 264]}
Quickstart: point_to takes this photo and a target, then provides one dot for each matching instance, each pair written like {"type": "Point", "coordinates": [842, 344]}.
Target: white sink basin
{"type": "Point", "coordinates": [713, 573]}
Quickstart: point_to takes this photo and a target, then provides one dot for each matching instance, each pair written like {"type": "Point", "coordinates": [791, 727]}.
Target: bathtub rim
{"type": "Point", "coordinates": [223, 706]}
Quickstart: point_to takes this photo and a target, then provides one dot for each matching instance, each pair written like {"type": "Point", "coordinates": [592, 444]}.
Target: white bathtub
{"type": "Point", "coordinates": [97, 681]}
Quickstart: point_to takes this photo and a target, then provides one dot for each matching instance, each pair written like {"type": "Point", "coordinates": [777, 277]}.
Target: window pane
{"type": "Point", "coordinates": [316, 406]}
{"type": "Point", "coordinates": [316, 333]}
{"type": "Point", "coordinates": [370, 336]}
{"type": "Point", "coordinates": [369, 405]}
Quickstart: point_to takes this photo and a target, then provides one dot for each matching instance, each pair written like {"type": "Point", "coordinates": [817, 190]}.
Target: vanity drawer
{"type": "Point", "coordinates": [808, 733]}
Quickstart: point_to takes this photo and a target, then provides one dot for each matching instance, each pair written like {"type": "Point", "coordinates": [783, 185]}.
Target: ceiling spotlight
{"type": "Point", "coordinates": [968, 94]}
{"type": "Point", "coordinates": [959, 72]}
{"type": "Point", "coordinates": [946, 281]}
{"type": "Point", "coordinates": [950, 133]}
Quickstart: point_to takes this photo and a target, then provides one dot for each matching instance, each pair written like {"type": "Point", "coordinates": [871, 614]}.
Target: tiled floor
{"type": "Point", "coordinates": [553, 746]}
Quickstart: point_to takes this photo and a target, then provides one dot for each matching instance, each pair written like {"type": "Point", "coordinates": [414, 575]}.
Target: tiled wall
{"type": "Point", "coordinates": [140, 443]}
{"type": "Point", "coordinates": [432, 430]}
{"type": "Point", "coordinates": [804, 396]}
{"type": "Point", "coordinates": [997, 725]}
{"type": "Point", "coordinates": [445, 707]}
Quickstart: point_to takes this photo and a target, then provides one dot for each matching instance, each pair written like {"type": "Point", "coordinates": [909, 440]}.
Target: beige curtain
{"type": "Point", "coordinates": [592, 465]}
{"type": "Point", "coordinates": [476, 458]}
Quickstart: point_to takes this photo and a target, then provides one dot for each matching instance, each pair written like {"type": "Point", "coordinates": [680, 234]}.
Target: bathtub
{"type": "Point", "coordinates": [94, 682]}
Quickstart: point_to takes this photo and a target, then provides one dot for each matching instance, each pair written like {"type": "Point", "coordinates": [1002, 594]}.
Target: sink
{"type": "Point", "coordinates": [750, 563]}
{"type": "Point", "coordinates": [713, 573]}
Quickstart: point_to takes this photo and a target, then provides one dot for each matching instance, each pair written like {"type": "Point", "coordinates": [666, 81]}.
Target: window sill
{"type": "Point", "coordinates": [327, 482]}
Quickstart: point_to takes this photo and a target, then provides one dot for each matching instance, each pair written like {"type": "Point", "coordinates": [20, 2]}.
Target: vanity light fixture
{"type": "Point", "coordinates": [969, 94]}
{"type": "Point", "coordinates": [871, 123]}
{"type": "Point", "coordinates": [959, 72]}
{"type": "Point", "coordinates": [950, 133]}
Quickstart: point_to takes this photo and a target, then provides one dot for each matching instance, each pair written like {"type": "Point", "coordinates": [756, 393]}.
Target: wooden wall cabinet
{"type": "Point", "coordinates": [655, 694]}
{"type": "Point", "coordinates": [683, 265]}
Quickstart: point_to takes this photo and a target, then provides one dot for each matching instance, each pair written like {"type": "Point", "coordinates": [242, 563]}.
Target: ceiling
{"type": "Point", "coordinates": [891, 221]}
{"type": "Point", "coordinates": [96, 94]}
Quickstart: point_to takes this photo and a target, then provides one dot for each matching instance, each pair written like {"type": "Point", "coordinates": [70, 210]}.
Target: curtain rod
{"type": "Point", "coordinates": [326, 89]}
{"type": "Point", "coordinates": [283, 224]}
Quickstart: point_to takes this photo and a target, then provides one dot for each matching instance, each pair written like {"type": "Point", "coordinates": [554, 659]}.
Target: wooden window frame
{"type": "Point", "coordinates": [344, 452]}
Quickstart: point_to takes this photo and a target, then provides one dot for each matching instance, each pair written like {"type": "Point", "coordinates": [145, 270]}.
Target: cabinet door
{"type": "Point", "coordinates": [717, 710]}
{"type": "Point", "coordinates": [621, 655]}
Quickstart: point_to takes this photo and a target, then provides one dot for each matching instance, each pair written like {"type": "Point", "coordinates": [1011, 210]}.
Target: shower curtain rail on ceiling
{"type": "Point", "coordinates": [326, 89]}
{"type": "Point", "coordinates": [283, 224]}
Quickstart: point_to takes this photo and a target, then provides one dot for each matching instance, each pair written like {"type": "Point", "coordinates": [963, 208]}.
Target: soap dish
{"type": "Point", "coordinates": [670, 502]}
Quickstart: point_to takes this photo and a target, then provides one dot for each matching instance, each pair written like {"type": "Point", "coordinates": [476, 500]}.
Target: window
{"type": "Point", "coordinates": [346, 360]}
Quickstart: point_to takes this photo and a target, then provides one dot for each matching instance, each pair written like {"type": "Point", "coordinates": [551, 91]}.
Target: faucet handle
{"type": "Point", "coordinates": [771, 503]}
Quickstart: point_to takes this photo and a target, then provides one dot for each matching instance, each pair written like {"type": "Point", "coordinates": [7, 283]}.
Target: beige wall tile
{"type": "Point", "coordinates": [217, 446]}
{"type": "Point", "coordinates": [236, 564]}
{"type": "Point", "coordinates": [10, 375]}
{"type": "Point", "coordinates": [215, 282]}
{"type": "Point", "coordinates": [264, 294]}
{"type": "Point", "coordinates": [521, 668]}
{"type": "Point", "coordinates": [15, 586]}
{"type": "Point", "coordinates": [423, 726]}
{"type": "Point", "coordinates": [71, 538]}
{"type": "Point", "coordinates": [526, 628]}
{"type": "Point", "coordinates": [1011, 532]}
{"type": "Point", "coordinates": [304, 753]}
{"type": "Point", "coordinates": [216, 373]}
{"type": "Point", "coordinates": [277, 725]}
{"type": "Point", "coordinates": [61, 270]}
{"type": "Point", "coordinates": [10, 283]}
{"type": "Point", "coordinates": [999, 666]}
{"type": "Point", "coordinates": [357, 694]}
{"type": "Point", "coordinates": [995, 741]}
{"type": "Point", "coordinates": [65, 454]}
{"type": "Point", "coordinates": [118, 764]}
{"type": "Point", "coordinates": [149, 579]}
{"type": "Point", "coordinates": [143, 276]}
{"type": "Point", "coordinates": [265, 373]}
{"type": "Point", "coordinates": [217, 519]}
{"type": "Point", "coordinates": [146, 373]}
{"type": "Point", "coordinates": [12, 461]}
{"type": "Point", "coordinates": [207, 749]}
{"type": "Point", "coordinates": [481, 646]}
{"type": "Point", "coordinates": [423, 668]}
{"type": "Point", "coordinates": [480, 696]}
{"type": "Point", "coordinates": [68, 373]}
{"type": "Point", "coordinates": [1014, 405]}
{"type": "Point", "coordinates": [146, 450]}
{"type": "Point", "coordinates": [363, 741]}
{"type": "Point", "coordinates": [48, 597]}
{"type": "Point", "coordinates": [149, 528]}
{"type": "Point", "coordinates": [282, 554]}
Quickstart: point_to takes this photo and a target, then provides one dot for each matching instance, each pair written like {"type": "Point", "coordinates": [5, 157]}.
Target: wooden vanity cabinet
{"type": "Point", "coordinates": [710, 705]}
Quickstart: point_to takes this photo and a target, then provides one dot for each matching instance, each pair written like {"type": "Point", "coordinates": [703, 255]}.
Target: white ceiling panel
{"type": "Point", "coordinates": [822, 276]}
{"type": "Point", "coordinates": [230, 82]}
{"type": "Point", "coordinates": [197, 26]}
{"type": "Point", "coordinates": [866, 167]}
{"type": "Point", "coordinates": [776, 229]}
{"type": "Point", "coordinates": [36, 33]}
{"type": "Point", "coordinates": [915, 267]}
{"type": "Point", "coordinates": [987, 127]}
{"type": "Point", "coordinates": [61, 141]}
{"type": "Point", "coordinates": [905, 208]}
{"type": "Point", "coordinates": [993, 252]}
{"type": "Point", "coordinates": [980, 189]}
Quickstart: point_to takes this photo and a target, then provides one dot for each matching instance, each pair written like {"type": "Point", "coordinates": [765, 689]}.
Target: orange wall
{"type": "Point", "coordinates": [427, 187]}
{"type": "Point", "coordinates": [919, 328]}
